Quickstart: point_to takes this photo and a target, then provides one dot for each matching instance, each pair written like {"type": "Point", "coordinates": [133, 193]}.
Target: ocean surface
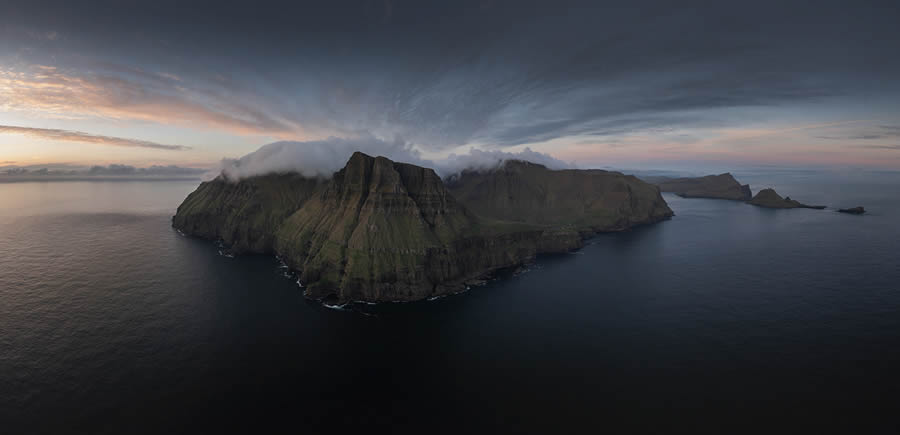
{"type": "Point", "coordinates": [726, 318]}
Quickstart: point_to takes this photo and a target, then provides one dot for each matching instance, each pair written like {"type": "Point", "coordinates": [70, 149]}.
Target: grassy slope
{"type": "Point", "coordinates": [245, 214]}
{"type": "Point", "coordinates": [585, 200]}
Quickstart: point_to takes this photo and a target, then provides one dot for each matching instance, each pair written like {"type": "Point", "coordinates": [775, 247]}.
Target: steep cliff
{"type": "Point", "coordinates": [722, 186]}
{"type": "Point", "coordinates": [390, 231]}
{"type": "Point", "coordinates": [244, 214]}
{"type": "Point", "coordinates": [585, 200]}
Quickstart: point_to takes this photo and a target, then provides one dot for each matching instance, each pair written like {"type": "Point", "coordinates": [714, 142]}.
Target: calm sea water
{"type": "Point", "coordinates": [727, 317]}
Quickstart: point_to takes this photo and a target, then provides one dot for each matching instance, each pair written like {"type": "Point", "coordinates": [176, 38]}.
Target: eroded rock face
{"type": "Point", "coordinates": [722, 186]}
{"type": "Point", "coordinates": [384, 231]}
{"type": "Point", "coordinates": [588, 201]}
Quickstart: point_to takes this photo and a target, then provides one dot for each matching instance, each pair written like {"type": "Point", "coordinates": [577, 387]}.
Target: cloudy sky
{"type": "Point", "coordinates": [629, 84]}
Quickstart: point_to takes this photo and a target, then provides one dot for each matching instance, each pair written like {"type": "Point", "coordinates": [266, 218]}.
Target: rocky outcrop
{"type": "Point", "coordinates": [587, 201]}
{"type": "Point", "coordinates": [722, 186]}
{"type": "Point", "coordinates": [853, 210]}
{"type": "Point", "coordinates": [768, 198]}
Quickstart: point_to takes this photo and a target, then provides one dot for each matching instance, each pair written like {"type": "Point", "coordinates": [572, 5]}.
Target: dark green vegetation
{"type": "Point", "coordinates": [770, 199]}
{"type": "Point", "coordinates": [587, 201]}
{"type": "Point", "coordinates": [722, 186]}
{"type": "Point", "coordinates": [244, 215]}
{"type": "Point", "coordinates": [382, 231]}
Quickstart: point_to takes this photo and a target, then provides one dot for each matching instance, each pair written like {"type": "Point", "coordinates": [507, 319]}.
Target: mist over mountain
{"type": "Point", "coordinates": [321, 158]}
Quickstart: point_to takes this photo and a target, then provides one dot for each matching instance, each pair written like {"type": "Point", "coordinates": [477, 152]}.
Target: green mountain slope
{"type": "Point", "coordinates": [585, 200]}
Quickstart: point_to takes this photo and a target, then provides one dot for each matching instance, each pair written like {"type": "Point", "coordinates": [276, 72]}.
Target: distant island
{"type": "Point", "coordinates": [722, 186]}
{"type": "Point", "coordinates": [379, 230]}
{"type": "Point", "coordinates": [853, 210]}
{"type": "Point", "coordinates": [725, 186]}
{"type": "Point", "coordinates": [770, 199]}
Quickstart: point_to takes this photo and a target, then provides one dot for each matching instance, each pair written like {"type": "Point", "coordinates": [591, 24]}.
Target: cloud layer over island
{"type": "Point", "coordinates": [324, 157]}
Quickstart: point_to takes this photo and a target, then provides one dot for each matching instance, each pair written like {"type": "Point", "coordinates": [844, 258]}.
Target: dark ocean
{"type": "Point", "coordinates": [727, 318]}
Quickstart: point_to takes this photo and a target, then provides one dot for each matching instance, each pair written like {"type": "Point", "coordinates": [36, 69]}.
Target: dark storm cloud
{"type": "Point", "coordinates": [439, 74]}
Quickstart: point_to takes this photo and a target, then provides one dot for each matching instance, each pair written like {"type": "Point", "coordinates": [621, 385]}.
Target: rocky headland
{"type": "Point", "coordinates": [722, 186]}
{"type": "Point", "coordinates": [768, 198]}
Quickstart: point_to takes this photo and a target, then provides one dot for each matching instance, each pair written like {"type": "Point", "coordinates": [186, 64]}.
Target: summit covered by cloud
{"type": "Point", "coordinates": [324, 157]}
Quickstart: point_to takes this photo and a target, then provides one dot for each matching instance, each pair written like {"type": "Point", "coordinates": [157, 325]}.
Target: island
{"type": "Point", "coordinates": [725, 186]}
{"type": "Point", "coordinates": [768, 198]}
{"type": "Point", "coordinates": [853, 210]}
{"type": "Point", "coordinates": [379, 230]}
{"type": "Point", "coordinates": [722, 186]}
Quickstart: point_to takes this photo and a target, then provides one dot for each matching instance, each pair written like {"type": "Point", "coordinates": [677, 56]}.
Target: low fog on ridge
{"type": "Point", "coordinates": [324, 157]}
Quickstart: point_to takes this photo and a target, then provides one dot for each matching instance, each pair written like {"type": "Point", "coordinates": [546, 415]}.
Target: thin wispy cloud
{"type": "Point", "coordinates": [881, 147]}
{"type": "Point", "coordinates": [78, 136]}
{"type": "Point", "coordinates": [130, 94]}
{"type": "Point", "coordinates": [644, 80]}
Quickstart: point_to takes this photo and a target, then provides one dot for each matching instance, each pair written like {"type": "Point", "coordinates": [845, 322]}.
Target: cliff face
{"type": "Point", "coordinates": [585, 200]}
{"type": "Point", "coordinates": [385, 231]}
{"type": "Point", "coordinates": [243, 214]}
{"type": "Point", "coordinates": [390, 231]}
{"type": "Point", "coordinates": [722, 186]}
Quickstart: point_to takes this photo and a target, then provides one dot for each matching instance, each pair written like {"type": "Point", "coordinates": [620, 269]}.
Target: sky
{"type": "Point", "coordinates": [642, 84]}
